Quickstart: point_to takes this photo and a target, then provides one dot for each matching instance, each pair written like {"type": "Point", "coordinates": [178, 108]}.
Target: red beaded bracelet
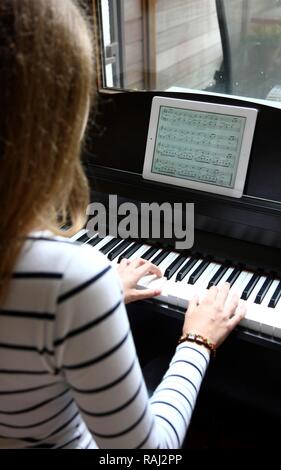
{"type": "Point", "coordinates": [193, 338]}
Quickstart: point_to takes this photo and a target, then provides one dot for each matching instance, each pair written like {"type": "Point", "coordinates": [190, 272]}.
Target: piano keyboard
{"type": "Point", "coordinates": [184, 277]}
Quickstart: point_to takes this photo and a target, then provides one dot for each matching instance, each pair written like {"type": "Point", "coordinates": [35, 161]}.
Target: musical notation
{"type": "Point", "coordinates": [198, 145]}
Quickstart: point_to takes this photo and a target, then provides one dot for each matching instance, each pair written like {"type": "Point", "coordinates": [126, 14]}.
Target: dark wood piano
{"type": "Point", "coordinates": [240, 400]}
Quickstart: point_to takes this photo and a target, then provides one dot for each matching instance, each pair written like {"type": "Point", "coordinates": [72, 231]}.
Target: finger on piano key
{"type": "Point", "coordinates": [166, 262]}
{"type": "Point", "coordinates": [180, 292]}
{"type": "Point", "coordinates": [151, 281]}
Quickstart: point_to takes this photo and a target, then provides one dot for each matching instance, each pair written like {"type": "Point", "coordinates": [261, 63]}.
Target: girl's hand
{"type": "Point", "coordinates": [216, 316]}
{"type": "Point", "coordinates": [130, 273]}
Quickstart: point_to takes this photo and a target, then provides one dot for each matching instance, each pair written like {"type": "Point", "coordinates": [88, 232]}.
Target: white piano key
{"type": "Point", "coordinates": [252, 297]}
{"type": "Point", "coordinates": [240, 284]}
{"type": "Point", "coordinates": [179, 293]}
{"type": "Point", "coordinates": [211, 271]}
{"type": "Point", "coordinates": [278, 306]}
{"type": "Point", "coordinates": [269, 316]}
{"type": "Point", "coordinates": [167, 261]}
{"type": "Point", "coordinates": [103, 242]}
{"type": "Point", "coordinates": [155, 255]}
{"type": "Point", "coordinates": [259, 317]}
{"type": "Point", "coordinates": [185, 293]}
{"type": "Point", "coordinates": [225, 276]}
{"type": "Point", "coordinates": [139, 252]}
{"type": "Point", "coordinates": [269, 294]}
{"type": "Point", "coordinates": [203, 281]}
{"type": "Point", "coordinates": [277, 326]}
{"type": "Point", "coordinates": [91, 238]}
{"type": "Point", "coordinates": [268, 321]}
{"type": "Point", "coordinates": [151, 281]}
{"type": "Point", "coordinates": [185, 279]}
{"type": "Point", "coordinates": [115, 261]}
{"type": "Point", "coordinates": [174, 276]}
{"type": "Point", "coordinates": [78, 234]}
{"type": "Point", "coordinates": [252, 318]}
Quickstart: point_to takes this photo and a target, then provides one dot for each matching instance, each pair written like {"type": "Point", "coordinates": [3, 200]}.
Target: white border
{"type": "Point", "coordinates": [249, 113]}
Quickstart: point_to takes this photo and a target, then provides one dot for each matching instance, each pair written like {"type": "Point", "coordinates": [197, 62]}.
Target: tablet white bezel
{"type": "Point", "coordinates": [249, 113]}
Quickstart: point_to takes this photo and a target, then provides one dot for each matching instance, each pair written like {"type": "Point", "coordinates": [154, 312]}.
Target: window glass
{"type": "Point", "coordinates": [223, 46]}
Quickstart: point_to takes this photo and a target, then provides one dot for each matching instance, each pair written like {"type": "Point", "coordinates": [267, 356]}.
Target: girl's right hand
{"type": "Point", "coordinates": [215, 316]}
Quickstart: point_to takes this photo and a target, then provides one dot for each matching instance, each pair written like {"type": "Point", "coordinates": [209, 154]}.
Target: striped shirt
{"type": "Point", "coordinates": [69, 374]}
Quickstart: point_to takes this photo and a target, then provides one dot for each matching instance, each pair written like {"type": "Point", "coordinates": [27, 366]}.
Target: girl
{"type": "Point", "coordinates": [69, 375]}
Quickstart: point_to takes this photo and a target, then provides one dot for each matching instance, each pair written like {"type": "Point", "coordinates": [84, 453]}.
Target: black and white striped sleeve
{"type": "Point", "coordinates": [95, 353]}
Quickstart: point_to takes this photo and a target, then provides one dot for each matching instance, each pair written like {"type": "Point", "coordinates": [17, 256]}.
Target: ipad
{"type": "Point", "coordinates": [197, 145]}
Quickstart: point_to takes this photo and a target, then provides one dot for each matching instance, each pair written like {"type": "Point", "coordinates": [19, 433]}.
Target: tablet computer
{"type": "Point", "coordinates": [197, 145]}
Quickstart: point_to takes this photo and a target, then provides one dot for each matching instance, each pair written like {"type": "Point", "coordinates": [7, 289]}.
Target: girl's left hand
{"type": "Point", "coordinates": [130, 273]}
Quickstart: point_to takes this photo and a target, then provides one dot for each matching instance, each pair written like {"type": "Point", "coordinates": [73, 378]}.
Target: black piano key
{"type": "Point", "coordinates": [129, 252]}
{"type": "Point", "coordinates": [263, 290]}
{"type": "Point", "coordinates": [234, 275]}
{"type": "Point", "coordinates": [160, 257]}
{"type": "Point", "coordinates": [118, 250]}
{"type": "Point", "coordinates": [276, 296]}
{"type": "Point", "coordinates": [174, 266]}
{"type": "Point", "coordinates": [149, 253]}
{"type": "Point", "coordinates": [250, 287]}
{"type": "Point", "coordinates": [108, 246]}
{"type": "Point", "coordinates": [186, 268]}
{"type": "Point", "coordinates": [83, 238]}
{"type": "Point", "coordinates": [95, 241]}
{"type": "Point", "coordinates": [198, 271]}
{"type": "Point", "coordinates": [218, 275]}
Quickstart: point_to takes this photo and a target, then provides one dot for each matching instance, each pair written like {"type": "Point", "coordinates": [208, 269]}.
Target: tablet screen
{"type": "Point", "coordinates": [199, 145]}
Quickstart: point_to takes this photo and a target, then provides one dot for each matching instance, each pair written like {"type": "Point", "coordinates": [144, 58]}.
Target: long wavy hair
{"type": "Point", "coordinates": [46, 87]}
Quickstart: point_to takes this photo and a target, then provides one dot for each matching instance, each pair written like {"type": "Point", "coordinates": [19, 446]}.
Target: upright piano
{"type": "Point", "coordinates": [236, 240]}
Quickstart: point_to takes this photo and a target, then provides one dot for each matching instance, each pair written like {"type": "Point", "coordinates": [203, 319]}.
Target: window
{"type": "Point", "coordinates": [222, 46]}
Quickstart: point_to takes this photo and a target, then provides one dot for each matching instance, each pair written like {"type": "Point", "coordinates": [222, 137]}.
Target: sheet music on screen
{"type": "Point", "coordinates": [198, 145]}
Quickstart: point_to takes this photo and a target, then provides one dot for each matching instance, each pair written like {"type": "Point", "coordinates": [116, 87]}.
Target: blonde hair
{"type": "Point", "coordinates": [46, 84]}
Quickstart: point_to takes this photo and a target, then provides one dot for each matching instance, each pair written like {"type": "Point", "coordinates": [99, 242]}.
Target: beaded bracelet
{"type": "Point", "coordinates": [193, 338]}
